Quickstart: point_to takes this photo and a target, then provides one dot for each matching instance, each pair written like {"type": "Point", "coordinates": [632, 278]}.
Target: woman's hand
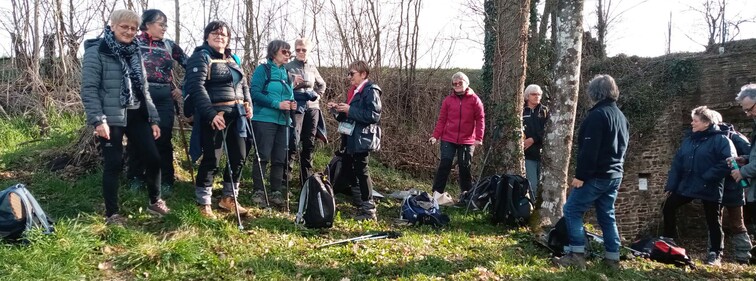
{"type": "Point", "coordinates": [285, 105]}
{"type": "Point", "coordinates": [103, 131]}
{"type": "Point", "coordinates": [292, 105]}
{"type": "Point", "coordinates": [218, 123]}
{"type": "Point", "coordinates": [432, 140]}
{"type": "Point", "coordinates": [342, 107]}
{"type": "Point", "coordinates": [248, 109]}
{"type": "Point", "coordinates": [155, 131]}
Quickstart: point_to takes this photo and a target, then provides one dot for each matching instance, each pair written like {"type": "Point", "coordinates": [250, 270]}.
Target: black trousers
{"type": "Point", "coordinates": [712, 211]}
{"type": "Point", "coordinates": [161, 96]}
{"type": "Point", "coordinates": [271, 145]}
{"type": "Point", "coordinates": [139, 132]}
{"type": "Point", "coordinates": [212, 149]}
{"type": "Point", "coordinates": [305, 130]}
{"type": "Point", "coordinates": [464, 153]}
{"type": "Point", "coordinates": [355, 168]}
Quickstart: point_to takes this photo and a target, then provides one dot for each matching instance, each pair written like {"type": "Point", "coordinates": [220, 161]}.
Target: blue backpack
{"type": "Point", "coordinates": [421, 209]}
{"type": "Point", "coordinates": [19, 212]}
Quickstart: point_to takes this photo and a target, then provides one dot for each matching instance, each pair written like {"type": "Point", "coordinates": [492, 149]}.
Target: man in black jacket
{"type": "Point", "coordinates": [602, 142]}
{"type": "Point", "coordinates": [534, 116]}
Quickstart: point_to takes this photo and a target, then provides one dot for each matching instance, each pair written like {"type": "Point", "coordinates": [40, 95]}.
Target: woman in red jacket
{"type": "Point", "coordinates": [460, 127]}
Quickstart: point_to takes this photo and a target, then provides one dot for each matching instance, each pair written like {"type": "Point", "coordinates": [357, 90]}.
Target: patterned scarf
{"type": "Point", "coordinates": [132, 69]}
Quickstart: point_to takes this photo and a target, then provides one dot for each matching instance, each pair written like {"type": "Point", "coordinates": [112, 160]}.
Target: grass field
{"type": "Point", "coordinates": [185, 246]}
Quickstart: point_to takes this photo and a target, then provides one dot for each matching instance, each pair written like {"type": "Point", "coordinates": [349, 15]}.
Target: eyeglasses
{"type": "Point", "coordinates": [218, 34]}
{"type": "Point", "coordinates": [285, 52]}
{"type": "Point", "coordinates": [457, 84]}
{"type": "Point", "coordinates": [301, 50]}
{"type": "Point", "coordinates": [750, 108]}
{"type": "Point", "coordinates": [128, 27]}
{"type": "Point", "coordinates": [161, 24]}
{"type": "Point", "coordinates": [351, 73]}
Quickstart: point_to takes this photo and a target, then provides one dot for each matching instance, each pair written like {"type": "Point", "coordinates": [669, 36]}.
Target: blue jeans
{"type": "Point", "coordinates": [601, 193]}
{"type": "Point", "coordinates": [532, 172]}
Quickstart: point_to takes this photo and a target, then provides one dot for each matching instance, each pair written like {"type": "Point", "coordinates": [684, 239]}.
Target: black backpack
{"type": "Point", "coordinates": [663, 250]}
{"type": "Point", "coordinates": [19, 212]}
{"type": "Point", "coordinates": [558, 239]}
{"type": "Point", "coordinates": [316, 204]}
{"type": "Point", "coordinates": [334, 173]}
{"type": "Point", "coordinates": [482, 194]}
{"type": "Point", "coordinates": [512, 202]}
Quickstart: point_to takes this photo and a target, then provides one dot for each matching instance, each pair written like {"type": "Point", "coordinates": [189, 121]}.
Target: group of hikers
{"type": "Point", "coordinates": [129, 88]}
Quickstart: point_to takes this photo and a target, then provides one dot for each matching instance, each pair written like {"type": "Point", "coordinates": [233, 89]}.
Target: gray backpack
{"type": "Point", "coordinates": [19, 212]}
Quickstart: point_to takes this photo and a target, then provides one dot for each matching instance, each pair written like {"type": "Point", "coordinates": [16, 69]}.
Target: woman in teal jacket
{"type": "Point", "coordinates": [273, 100]}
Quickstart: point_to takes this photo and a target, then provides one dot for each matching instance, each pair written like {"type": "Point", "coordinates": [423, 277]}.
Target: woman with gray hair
{"type": "Point", "coordinates": [273, 101]}
{"type": "Point", "coordinates": [117, 103]}
{"type": "Point", "coordinates": [534, 116]}
{"type": "Point", "coordinates": [697, 172]}
{"type": "Point", "coordinates": [460, 127]}
{"type": "Point", "coordinates": [308, 87]}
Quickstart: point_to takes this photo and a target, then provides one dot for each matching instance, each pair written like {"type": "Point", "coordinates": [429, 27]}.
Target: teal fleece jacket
{"type": "Point", "coordinates": [266, 100]}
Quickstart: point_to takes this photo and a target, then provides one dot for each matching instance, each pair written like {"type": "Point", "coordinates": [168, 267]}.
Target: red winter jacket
{"type": "Point", "coordinates": [461, 120]}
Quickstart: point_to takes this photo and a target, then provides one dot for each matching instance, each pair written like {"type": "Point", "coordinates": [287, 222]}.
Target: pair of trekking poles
{"type": "Point", "coordinates": [248, 126]}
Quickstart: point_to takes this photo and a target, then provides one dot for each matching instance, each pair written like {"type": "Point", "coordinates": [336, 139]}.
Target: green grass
{"type": "Point", "coordinates": [185, 246]}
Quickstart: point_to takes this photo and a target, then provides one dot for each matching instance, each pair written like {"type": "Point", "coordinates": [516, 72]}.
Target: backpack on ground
{"type": "Point", "coordinates": [663, 250]}
{"type": "Point", "coordinates": [512, 203]}
{"type": "Point", "coordinates": [421, 209]}
{"type": "Point", "coordinates": [316, 204]}
{"type": "Point", "coordinates": [481, 195]}
{"type": "Point", "coordinates": [558, 239]}
{"type": "Point", "coordinates": [20, 212]}
{"type": "Point", "coordinates": [188, 101]}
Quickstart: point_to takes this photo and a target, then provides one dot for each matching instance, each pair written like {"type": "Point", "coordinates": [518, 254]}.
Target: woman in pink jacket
{"type": "Point", "coordinates": [460, 127]}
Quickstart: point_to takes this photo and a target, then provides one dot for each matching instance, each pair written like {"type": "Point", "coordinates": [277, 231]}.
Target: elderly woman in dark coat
{"type": "Point", "coordinates": [698, 171]}
{"type": "Point", "coordinates": [116, 102]}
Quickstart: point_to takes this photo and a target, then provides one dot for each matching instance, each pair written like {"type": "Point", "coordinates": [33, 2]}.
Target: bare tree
{"type": "Point", "coordinates": [607, 15]}
{"type": "Point", "coordinates": [563, 106]}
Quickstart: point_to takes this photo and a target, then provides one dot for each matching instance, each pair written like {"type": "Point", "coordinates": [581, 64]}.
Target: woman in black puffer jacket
{"type": "Point", "coordinates": [698, 171]}
{"type": "Point", "coordinates": [217, 89]}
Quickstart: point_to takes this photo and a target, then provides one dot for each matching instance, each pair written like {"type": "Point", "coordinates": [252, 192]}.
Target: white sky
{"type": "Point", "coordinates": [640, 30]}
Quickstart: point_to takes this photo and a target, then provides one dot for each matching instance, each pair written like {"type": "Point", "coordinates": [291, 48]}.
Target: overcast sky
{"type": "Point", "coordinates": [640, 29]}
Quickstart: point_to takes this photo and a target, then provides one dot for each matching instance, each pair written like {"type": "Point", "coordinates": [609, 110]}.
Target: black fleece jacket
{"type": "Point", "coordinates": [602, 142]}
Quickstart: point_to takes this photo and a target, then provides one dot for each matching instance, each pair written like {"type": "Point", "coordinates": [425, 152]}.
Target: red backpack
{"type": "Point", "coordinates": [663, 250]}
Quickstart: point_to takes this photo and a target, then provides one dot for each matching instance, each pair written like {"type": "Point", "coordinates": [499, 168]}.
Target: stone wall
{"type": "Point", "coordinates": [649, 156]}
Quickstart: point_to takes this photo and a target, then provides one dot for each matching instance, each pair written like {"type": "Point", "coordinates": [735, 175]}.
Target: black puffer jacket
{"type": "Point", "coordinates": [699, 167]}
{"type": "Point", "coordinates": [534, 121]}
{"type": "Point", "coordinates": [210, 78]}
{"type": "Point", "coordinates": [365, 113]}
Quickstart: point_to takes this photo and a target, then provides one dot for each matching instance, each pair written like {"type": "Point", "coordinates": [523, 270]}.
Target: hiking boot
{"type": "Point", "coordinates": [166, 189]}
{"type": "Point", "coordinates": [158, 208]}
{"type": "Point", "coordinates": [575, 260]}
{"type": "Point", "coordinates": [135, 184]}
{"type": "Point", "coordinates": [443, 199]}
{"type": "Point", "coordinates": [713, 259]}
{"type": "Point", "coordinates": [115, 219]}
{"type": "Point", "coordinates": [228, 203]}
{"type": "Point", "coordinates": [277, 199]}
{"type": "Point", "coordinates": [259, 199]}
{"type": "Point", "coordinates": [206, 211]}
{"type": "Point", "coordinates": [611, 264]}
{"type": "Point", "coordinates": [366, 211]}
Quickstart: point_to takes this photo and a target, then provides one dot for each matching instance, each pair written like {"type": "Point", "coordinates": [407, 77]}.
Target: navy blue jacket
{"type": "Point", "coordinates": [602, 142]}
{"type": "Point", "coordinates": [699, 167]}
{"type": "Point", "coordinates": [365, 112]}
{"type": "Point", "coordinates": [733, 194]}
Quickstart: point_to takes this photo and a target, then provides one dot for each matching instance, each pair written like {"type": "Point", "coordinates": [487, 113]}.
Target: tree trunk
{"type": "Point", "coordinates": [509, 64]}
{"type": "Point", "coordinates": [177, 22]}
{"type": "Point", "coordinates": [557, 142]}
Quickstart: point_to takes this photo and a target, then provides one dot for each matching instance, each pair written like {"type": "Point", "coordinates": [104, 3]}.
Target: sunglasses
{"type": "Point", "coordinates": [457, 84]}
{"type": "Point", "coordinates": [301, 50]}
{"type": "Point", "coordinates": [351, 73]}
{"type": "Point", "coordinates": [285, 52]}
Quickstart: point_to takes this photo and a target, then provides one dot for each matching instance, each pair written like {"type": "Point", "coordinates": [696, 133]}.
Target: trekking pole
{"type": "Point", "coordinates": [483, 167]}
{"type": "Point", "coordinates": [600, 239]}
{"type": "Point", "coordinates": [259, 165]}
{"type": "Point", "coordinates": [231, 179]}
{"type": "Point", "coordinates": [286, 163]}
{"type": "Point", "coordinates": [379, 235]}
{"type": "Point", "coordinates": [182, 135]}
{"type": "Point", "coordinates": [182, 129]}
